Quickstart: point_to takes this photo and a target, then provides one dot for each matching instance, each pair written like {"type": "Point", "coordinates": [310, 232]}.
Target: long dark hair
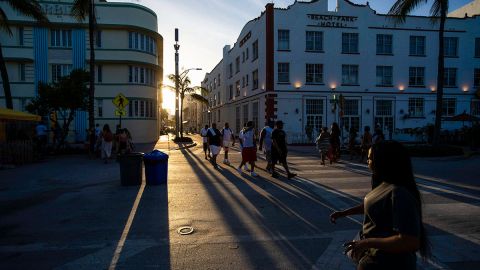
{"type": "Point", "coordinates": [392, 164]}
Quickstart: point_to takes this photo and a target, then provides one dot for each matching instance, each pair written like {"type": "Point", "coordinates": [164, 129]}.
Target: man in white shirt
{"type": "Point", "coordinates": [266, 142]}
{"type": "Point", "coordinates": [227, 137]}
{"type": "Point", "coordinates": [249, 150]}
{"type": "Point", "coordinates": [203, 133]}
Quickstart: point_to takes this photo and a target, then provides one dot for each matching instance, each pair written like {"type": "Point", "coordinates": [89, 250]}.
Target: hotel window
{"type": "Point", "coordinates": [255, 50]}
{"type": "Point", "coordinates": [476, 77]}
{"type": "Point", "coordinates": [450, 77]}
{"type": "Point", "coordinates": [20, 35]}
{"type": "Point", "coordinates": [415, 107]}
{"type": "Point", "coordinates": [130, 40]}
{"type": "Point", "coordinates": [59, 71]}
{"type": "Point", "coordinates": [477, 47]}
{"type": "Point", "coordinates": [219, 98]}
{"type": "Point", "coordinates": [99, 73]}
{"type": "Point", "coordinates": [314, 73]}
{"type": "Point", "coordinates": [416, 76]}
{"type": "Point", "coordinates": [230, 70]}
{"type": "Point", "coordinates": [283, 72]}
{"type": "Point", "coordinates": [130, 74]}
{"type": "Point", "coordinates": [237, 119]}
{"type": "Point", "coordinates": [475, 107]}
{"type": "Point", "coordinates": [142, 42]}
{"type": "Point", "coordinates": [136, 40]}
{"type": "Point", "coordinates": [130, 109]}
{"type": "Point", "coordinates": [255, 79]}
{"type": "Point", "coordinates": [314, 41]}
{"type": "Point", "coordinates": [245, 113]}
{"type": "Point", "coordinates": [255, 115]}
{"type": "Point", "coordinates": [246, 80]}
{"type": "Point", "coordinates": [136, 74]}
{"type": "Point", "coordinates": [384, 44]}
{"type": "Point", "coordinates": [351, 112]}
{"type": "Point", "coordinates": [417, 45]}
{"type": "Point", "coordinates": [136, 107]}
{"type": "Point", "coordinates": [237, 65]}
{"type": "Point", "coordinates": [283, 40]}
{"type": "Point", "coordinates": [384, 113]}
{"type": "Point", "coordinates": [246, 54]}
{"type": "Point", "coordinates": [142, 75]}
{"type": "Point", "coordinates": [314, 113]}
{"type": "Point", "coordinates": [350, 74]}
{"type": "Point", "coordinates": [349, 42]}
{"type": "Point", "coordinates": [214, 83]}
{"type": "Point", "coordinates": [147, 44]}
{"type": "Point", "coordinates": [243, 57]}
{"type": "Point", "coordinates": [100, 107]}
{"type": "Point", "coordinates": [98, 40]}
{"type": "Point", "coordinates": [237, 88]}
{"type": "Point", "coordinates": [449, 106]}
{"type": "Point", "coordinates": [384, 75]}
{"type": "Point", "coordinates": [230, 91]}
{"type": "Point", "coordinates": [61, 38]}
{"type": "Point", "coordinates": [142, 108]}
{"type": "Point", "coordinates": [243, 82]}
{"type": "Point", "coordinates": [21, 72]}
{"type": "Point", "coordinates": [218, 79]}
{"type": "Point", "coordinates": [450, 48]}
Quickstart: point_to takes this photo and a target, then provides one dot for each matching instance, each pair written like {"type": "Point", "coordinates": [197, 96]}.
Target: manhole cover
{"type": "Point", "coordinates": [185, 230]}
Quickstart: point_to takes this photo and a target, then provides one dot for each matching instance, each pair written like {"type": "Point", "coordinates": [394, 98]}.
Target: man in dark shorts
{"type": "Point", "coordinates": [203, 133]}
{"type": "Point", "coordinates": [215, 143]}
{"type": "Point", "coordinates": [279, 149]}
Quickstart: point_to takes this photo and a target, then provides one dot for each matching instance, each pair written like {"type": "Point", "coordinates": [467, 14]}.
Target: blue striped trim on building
{"type": "Point", "coordinates": [78, 61]}
{"type": "Point", "coordinates": [40, 51]}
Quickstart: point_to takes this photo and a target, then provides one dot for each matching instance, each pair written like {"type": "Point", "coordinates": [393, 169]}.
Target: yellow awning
{"type": "Point", "coordinates": [7, 114]}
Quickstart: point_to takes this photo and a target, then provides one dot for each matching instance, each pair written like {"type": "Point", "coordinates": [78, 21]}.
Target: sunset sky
{"type": "Point", "coordinates": [206, 26]}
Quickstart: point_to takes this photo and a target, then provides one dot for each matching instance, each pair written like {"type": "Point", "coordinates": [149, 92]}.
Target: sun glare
{"type": "Point", "coordinates": [168, 100]}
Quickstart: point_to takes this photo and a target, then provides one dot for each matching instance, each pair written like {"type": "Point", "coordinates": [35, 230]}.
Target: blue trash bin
{"type": "Point", "coordinates": [156, 167]}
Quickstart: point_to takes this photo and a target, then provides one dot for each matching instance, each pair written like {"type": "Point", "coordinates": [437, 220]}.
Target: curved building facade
{"type": "Point", "coordinates": [128, 58]}
{"type": "Point", "coordinates": [309, 67]}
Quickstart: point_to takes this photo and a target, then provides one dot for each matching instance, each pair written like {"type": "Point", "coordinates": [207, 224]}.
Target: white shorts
{"type": "Point", "coordinates": [226, 144]}
{"type": "Point", "coordinates": [215, 149]}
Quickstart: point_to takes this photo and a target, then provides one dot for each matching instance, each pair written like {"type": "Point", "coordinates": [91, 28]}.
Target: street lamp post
{"type": "Point", "coordinates": [176, 46]}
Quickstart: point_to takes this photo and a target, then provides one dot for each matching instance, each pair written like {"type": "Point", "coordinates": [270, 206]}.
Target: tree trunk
{"type": "Point", "coordinates": [5, 81]}
{"type": "Point", "coordinates": [182, 96]}
{"type": "Point", "coordinates": [440, 77]}
{"type": "Point", "coordinates": [91, 93]}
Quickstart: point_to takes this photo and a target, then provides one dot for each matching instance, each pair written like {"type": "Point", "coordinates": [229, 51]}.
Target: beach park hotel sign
{"type": "Point", "coordinates": [333, 21]}
{"type": "Point", "coordinates": [55, 9]}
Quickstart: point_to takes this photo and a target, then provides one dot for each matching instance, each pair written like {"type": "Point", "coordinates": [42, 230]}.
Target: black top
{"type": "Point", "coordinates": [279, 136]}
{"type": "Point", "coordinates": [390, 210]}
{"type": "Point", "coordinates": [214, 136]}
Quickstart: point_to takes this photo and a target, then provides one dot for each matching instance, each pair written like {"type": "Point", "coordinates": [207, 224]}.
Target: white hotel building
{"type": "Point", "coordinates": [128, 56]}
{"type": "Point", "coordinates": [289, 64]}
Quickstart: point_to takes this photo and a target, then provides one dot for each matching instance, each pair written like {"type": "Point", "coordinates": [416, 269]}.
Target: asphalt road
{"type": "Point", "coordinates": [72, 213]}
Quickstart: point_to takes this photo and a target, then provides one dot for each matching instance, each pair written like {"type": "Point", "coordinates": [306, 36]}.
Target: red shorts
{"type": "Point", "coordinates": [249, 154]}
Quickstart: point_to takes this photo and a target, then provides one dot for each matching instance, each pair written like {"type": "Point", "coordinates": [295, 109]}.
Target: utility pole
{"type": "Point", "coordinates": [177, 77]}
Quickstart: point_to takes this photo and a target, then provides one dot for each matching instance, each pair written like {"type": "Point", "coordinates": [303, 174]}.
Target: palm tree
{"type": "Point", "coordinates": [183, 89]}
{"type": "Point", "coordinates": [29, 8]}
{"type": "Point", "coordinates": [80, 9]}
{"type": "Point", "coordinates": [439, 9]}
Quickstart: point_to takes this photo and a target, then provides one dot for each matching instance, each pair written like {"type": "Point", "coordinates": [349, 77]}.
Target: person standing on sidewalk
{"type": "Point", "coordinates": [393, 229]}
{"type": "Point", "coordinates": [107, 139]}
{"type": "Point", "coordinates": [366, 143]}
{"type": "Point", "coordinates": [227, 137]}
{"type": "Point", "coordinates": [249, 150]}
{"type": "Point", "coordinates": [266, 142]}
{"type": "Point", "coordinates": [203, 133]}
{"type": "Point", "coordinates": [240, 141]}
{"type": "Point", "coordinates": [334, 143]}
{"type": "Point", "coordinates": [323, 143]}
{"type": "Point", "coordinates": [215, 143]}
{"type": "Point", "coordinates": [279, 149]}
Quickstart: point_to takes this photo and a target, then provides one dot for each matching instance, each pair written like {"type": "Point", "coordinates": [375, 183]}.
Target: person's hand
{"type": "Point", "coordinates": [336, 215]}
{"type": "Point", "coordinates": [356, 249]}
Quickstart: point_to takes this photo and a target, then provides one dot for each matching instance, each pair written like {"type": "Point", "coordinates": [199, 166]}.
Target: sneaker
{"type": "Point", "coordinates": [239, 170]}
{"type": "Point", "coordinates": [291, 175]}
{"type": "Point", "coordinates": [254, 174]}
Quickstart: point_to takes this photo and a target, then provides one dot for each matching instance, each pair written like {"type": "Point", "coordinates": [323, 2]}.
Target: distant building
{"type": "Point", "coordinates": [311, 67]}
{"type": "Point", "coordinates": [192, 114]}
{"type": "Point", "coordinates": [470, 9]}
{"type": "Point", "coordinates": [129, 60]}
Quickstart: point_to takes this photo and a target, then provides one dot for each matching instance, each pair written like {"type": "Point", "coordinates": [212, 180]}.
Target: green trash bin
{"type": "Point", "coordinates": [131, 168]}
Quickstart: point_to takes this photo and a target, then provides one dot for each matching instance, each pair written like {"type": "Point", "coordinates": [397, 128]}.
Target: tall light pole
{"type": "Point", "coordinates": [177, 77]}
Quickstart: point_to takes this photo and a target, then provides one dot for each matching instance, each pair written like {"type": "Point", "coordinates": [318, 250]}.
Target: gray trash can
{"type": "Point", "coordinates": [131, 168]}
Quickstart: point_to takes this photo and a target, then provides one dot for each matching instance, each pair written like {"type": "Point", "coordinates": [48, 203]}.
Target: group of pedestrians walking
{"type": "Point", "coordinates": [272, 141]}
{"type": "Point", "coordinates": [106, 141]}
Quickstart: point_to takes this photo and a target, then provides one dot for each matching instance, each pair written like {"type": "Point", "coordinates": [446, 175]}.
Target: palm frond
{"type": "Point", "coordinates": [29, 8]}
{"type": "Point", "coordinates": [4, 23]}
{"type": "Point", "coordinates": [80, 9]}
{"type": "Point", "coordinates": [401, 8]}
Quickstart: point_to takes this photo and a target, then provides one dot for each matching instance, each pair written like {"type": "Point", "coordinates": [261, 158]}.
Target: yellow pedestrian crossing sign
{"type": "Point", "coordinates": [120, 112]}
{"type": "Point", "coordinates": [120, 101]}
